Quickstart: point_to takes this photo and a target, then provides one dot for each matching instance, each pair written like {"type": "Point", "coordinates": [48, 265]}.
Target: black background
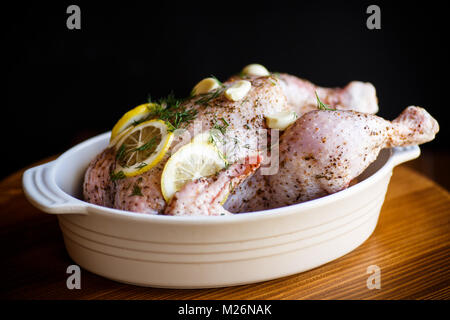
{"type": "Point", "coordinates": [64, 86]}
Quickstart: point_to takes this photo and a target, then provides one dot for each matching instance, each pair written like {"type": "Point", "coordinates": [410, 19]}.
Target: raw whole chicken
{"type": "Point", "coordinates": [319, 154]}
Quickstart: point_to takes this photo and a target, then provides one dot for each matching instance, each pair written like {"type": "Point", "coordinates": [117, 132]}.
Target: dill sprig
{"type": "Point", "coordinates": [223, 127]}
{"type": "Point", "coordinates": [207, 97]}
{"type": "Point", "coordinates": [141, 165]}
{"type": "Point", "coordinates": [183, 116]}
{"type": "Point", "coordinates": [120, 153]}
{"type": "Point", "coordinates": [171, 110]}
{"type": "Point", "coordinates": [218, 81]}
{"type": "Point", "coordinates": [216, 131]}
{"type": "Point", "coordinates": [169, 102]}
{"type": "Point", "coordinates": [136, 191]}
{"type": "Point", "coordinates": [150, 144]}
{"type": "Point", "coordinates": [321, 105]}
{"type": "Point", "coordinates": [117, 175]}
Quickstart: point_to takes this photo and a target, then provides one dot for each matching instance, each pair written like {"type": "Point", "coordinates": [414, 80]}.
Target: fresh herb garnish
{"type": "Point", "coordinates": [136, 191]}
{"type": "Point", "coordinates": [223, 127]}
{"type": "Point", "coordinates": [217, 134]}
{"type": "Point", "coordinates": [170, 110]}
{"type": "Point", "coordinates": [183, 116]}
{"type": "Point", "coordinates": [218, 81]}
{"type": "Point", "coordinates": [120, 152]}
{"type": "Point", "coordinates": [207, 97]}
{"type": "Point", "coordinates": [150, 144]}
{"type": "Point", "coordinates": [141, 165]}
{"type": "Point", "coordinates": [138, 122]}
{"type": "Point", "coordinates": [323, 106]}
{"type": "Point", "coordinates": [173, 113]}
{"type": "Point", "coordinates": [214, 137]}
{"type": "Point", "coordinates": [117, 175]}
{"type": "Point", "coordinates": [167, 102]}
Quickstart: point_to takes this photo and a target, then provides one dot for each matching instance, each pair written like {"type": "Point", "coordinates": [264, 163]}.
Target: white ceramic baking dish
{"type": "Point", "coordinates": [202, 252]}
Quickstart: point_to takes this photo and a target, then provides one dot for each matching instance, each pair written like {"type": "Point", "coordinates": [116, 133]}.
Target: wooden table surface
{"type": "Point", "coordinates": [410, 245]}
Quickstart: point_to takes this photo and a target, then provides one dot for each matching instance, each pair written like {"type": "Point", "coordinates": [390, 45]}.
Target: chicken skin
{"type": "Point", "coordinates": [98, 187]}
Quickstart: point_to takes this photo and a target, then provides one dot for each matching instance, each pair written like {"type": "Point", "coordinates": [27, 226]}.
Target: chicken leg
{"type": "Point", "coordinates": [324, 150]}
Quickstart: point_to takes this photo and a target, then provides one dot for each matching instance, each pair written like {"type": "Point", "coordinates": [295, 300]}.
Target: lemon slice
{"type": "Point", "coordinates": [190, 162]}
{"type": "Point", "coordinates": [142, 147]}
{"type": "Point", "coordinates": [229, 147]}
{"type": "Point", "coordinates": [131, 117]}
{"type": "Point", "coordinates": [212, 140]}
{"type": "Point", "coordinates": [204, 137]}
{"type": "Point", "coordinates": [117, 138]}
{"type": "Point", "coordinates": [281, 120]}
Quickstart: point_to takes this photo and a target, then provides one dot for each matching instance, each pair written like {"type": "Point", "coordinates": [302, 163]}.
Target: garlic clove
{"type": "Point", "coordinates": [205, 86]}
{"type": "Point", "coordinates": [255, 70]}
{"type": "Point", "coordinates": [238, 90]}
{"type": "Point", "coordinates": [281, 120]}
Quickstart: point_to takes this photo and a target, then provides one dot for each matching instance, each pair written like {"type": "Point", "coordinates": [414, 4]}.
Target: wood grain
{"type": "Point", "coordinates": [410, 245]}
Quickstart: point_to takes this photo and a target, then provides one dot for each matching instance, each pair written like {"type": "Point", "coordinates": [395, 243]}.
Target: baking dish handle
{"type": "Point", "coordinates": [403, 154]}
{"type": "Point", "coordinates": [40, 188]}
